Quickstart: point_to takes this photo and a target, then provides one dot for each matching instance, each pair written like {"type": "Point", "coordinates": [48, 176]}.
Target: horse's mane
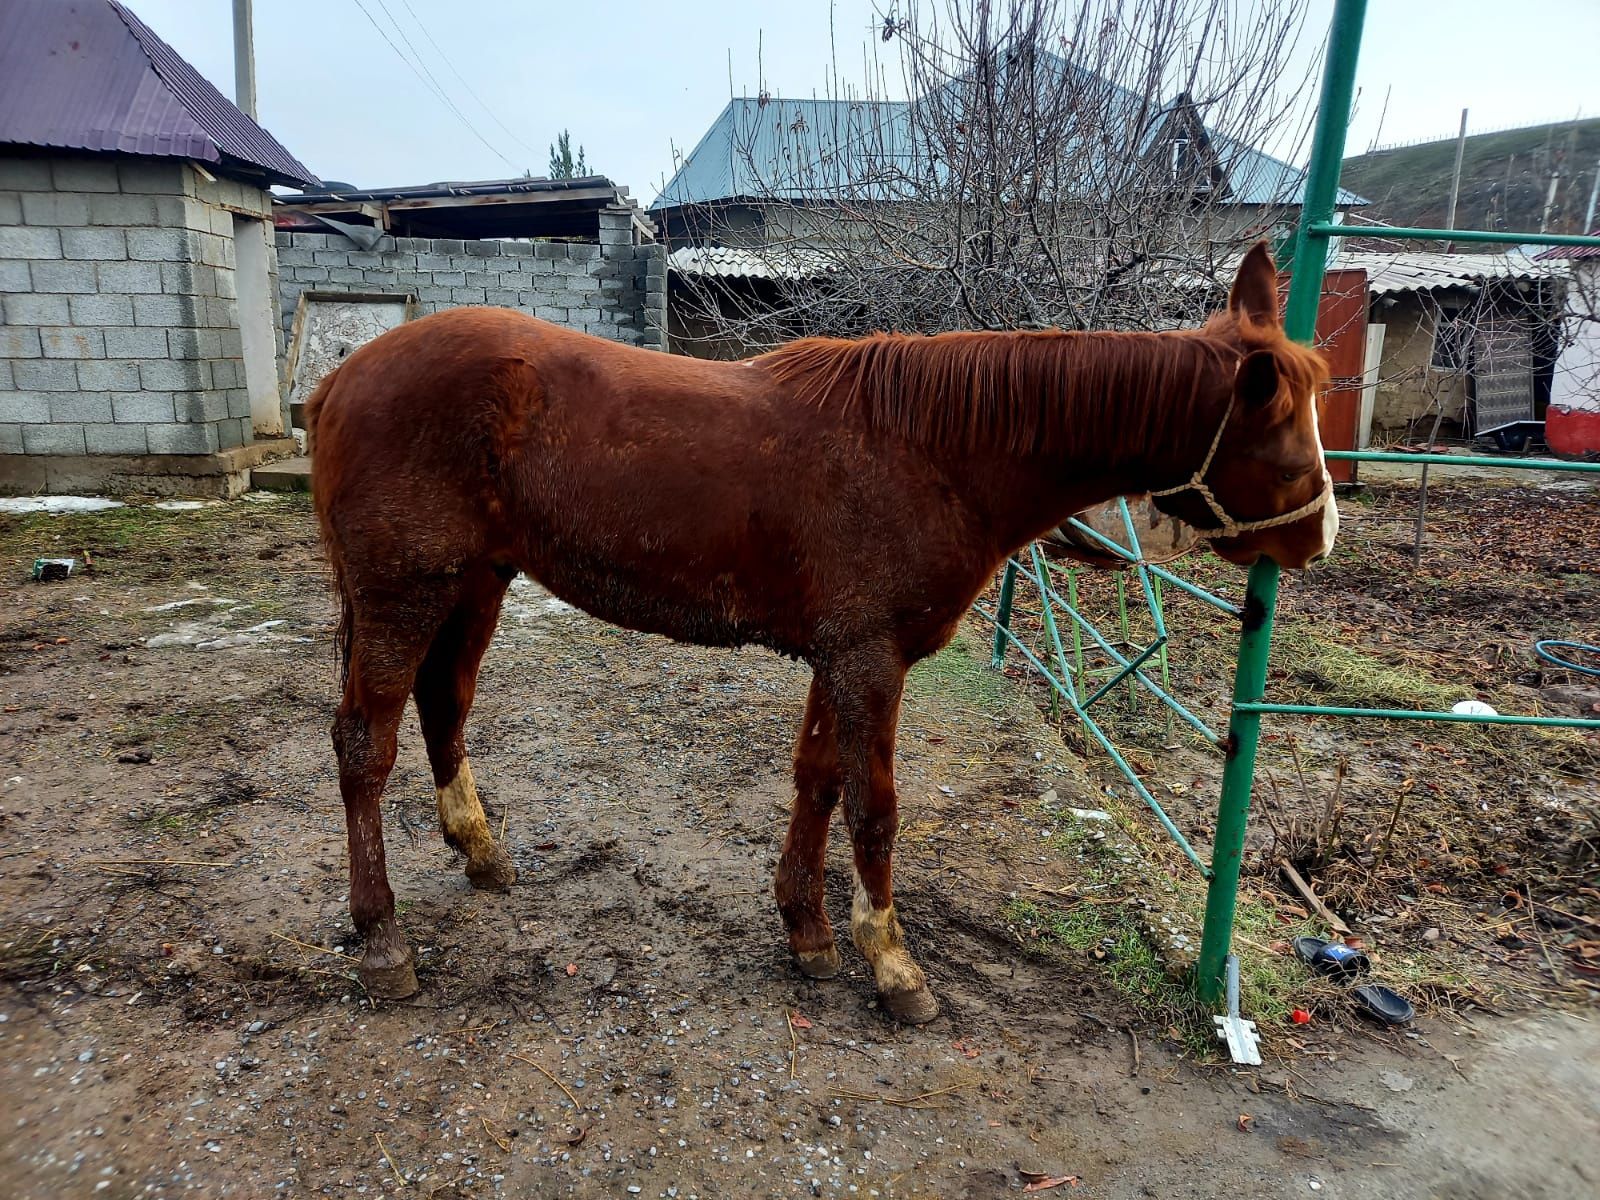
{"type": "Point", "coordinates": [1115, 395]}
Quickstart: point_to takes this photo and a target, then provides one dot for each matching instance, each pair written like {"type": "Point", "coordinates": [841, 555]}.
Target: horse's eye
{"type": "Point", "coordinates": [1291, 476]}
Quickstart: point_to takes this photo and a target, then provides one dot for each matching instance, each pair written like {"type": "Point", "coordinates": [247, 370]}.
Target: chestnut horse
{"type": "Point", "coordinates": [840, 501]}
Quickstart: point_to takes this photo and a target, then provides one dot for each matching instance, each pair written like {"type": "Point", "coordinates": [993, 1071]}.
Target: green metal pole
{"type": "Point", "coordinates": [1002, 616]}
{"type": "Point", "coordinates": [1160, 619]}
{"type": "Point", "coordinates": [1261, 596]}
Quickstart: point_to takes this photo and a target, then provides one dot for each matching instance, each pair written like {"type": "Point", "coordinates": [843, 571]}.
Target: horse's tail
{"type": "Point", "coordinates": [320, 499]}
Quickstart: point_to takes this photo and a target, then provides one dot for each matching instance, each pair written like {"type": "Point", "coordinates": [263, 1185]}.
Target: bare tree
{"type": "Point", "coordinates": [1076, 163]}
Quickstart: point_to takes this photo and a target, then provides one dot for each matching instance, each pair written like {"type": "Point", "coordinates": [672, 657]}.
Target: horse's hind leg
{"type": "Point", "coordinates": [386, 644]}
{"type": "Point", "coordinates": [799, 879]}
{"type": "Point", "coordinates": [445, 686]}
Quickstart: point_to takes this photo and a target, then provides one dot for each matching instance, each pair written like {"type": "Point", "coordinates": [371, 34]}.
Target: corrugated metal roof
{"type": "Point", "coordinates": [89, 75]}
{"type": "Point", "coordinates": [773, 148]}
{"type": "Point", "coordinates": [1564, 253]}
{"type": "Point", "coordinates": [732, 262]}
{"type": "Point", "coordinates": [1414, 271]}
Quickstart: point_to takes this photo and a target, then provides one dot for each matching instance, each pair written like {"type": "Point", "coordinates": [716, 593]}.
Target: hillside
{"type": "Point", "coordinates": [1505, 179]}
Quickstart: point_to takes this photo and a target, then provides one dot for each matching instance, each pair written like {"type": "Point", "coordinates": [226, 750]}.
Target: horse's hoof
{"type": "Point", "coordinates": [914, 1007]}
{"type": "Point", "coordinates": [493, 873]}
{"type": "Point", "coordinates": [393, 982]}
{"type": "Point", "coordinates": [818, 964]}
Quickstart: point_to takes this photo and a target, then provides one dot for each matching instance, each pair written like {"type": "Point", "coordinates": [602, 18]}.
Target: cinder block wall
{"type": "Point", "coordinates": [615, 289]}
{"type": "Point", "coordinates": [120, 333]}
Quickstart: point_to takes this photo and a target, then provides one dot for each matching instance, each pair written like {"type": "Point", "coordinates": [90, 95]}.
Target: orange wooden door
{"type": "Point", "coordinates": [1342, 337]}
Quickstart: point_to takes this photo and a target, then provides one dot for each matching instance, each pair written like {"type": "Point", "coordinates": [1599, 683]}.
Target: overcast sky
{"type": "Point", "coordinates": [633, 80]}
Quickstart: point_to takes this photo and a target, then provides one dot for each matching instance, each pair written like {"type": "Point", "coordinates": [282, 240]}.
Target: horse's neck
{"type": "Point", "coordinates": [1171, 420]}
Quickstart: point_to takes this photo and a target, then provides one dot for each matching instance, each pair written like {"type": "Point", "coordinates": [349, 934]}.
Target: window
{"type": "Point", "coordinates": [1452, 341]}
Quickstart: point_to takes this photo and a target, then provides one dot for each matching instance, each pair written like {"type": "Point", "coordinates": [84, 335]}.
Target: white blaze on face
{"type": "Point", "coordinates": [1330, 510]}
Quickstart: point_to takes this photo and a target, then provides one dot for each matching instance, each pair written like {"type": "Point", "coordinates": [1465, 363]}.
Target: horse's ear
{"type": "Point", "coordinates": [1259, 380]}
{"type": "Point", "coordinates": [1255, 287]}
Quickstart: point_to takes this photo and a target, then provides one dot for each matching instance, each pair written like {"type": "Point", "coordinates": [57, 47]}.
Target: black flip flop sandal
{"type": "Point", "coordinates": [1382, 1004]}
{"type": "Point", "coordinates": [1333, 959]}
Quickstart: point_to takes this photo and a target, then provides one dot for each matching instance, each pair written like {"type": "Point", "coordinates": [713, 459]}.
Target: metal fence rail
{"type": "Point", "coordinates": [1249, 702]}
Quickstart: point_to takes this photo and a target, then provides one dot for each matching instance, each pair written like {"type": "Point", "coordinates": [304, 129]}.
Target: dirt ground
{"type": "Point", "coordinates": [178, 1011]}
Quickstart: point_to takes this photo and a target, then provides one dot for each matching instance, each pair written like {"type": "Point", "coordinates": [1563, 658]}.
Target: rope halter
{"type": "Point", "coordinates": [1227, 526]}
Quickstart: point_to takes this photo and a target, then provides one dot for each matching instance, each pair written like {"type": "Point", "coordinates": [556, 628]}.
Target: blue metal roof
{"type": "Point", "coordinates": [773, 148]}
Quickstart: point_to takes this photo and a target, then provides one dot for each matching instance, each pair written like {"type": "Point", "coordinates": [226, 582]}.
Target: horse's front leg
{"type": "Point", "coordinates": [799, 879]}
{"type": "Point", "coordinates": [867, 707]}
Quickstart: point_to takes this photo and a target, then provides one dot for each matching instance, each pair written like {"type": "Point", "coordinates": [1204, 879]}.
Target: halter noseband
{"type": "Point", "coordinates": [1227, 526]}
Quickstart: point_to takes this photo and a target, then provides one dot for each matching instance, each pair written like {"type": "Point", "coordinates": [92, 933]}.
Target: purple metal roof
{"type": "Point", "coordinates": [89, 75]}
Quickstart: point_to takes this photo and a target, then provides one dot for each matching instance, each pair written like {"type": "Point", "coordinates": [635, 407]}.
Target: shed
{"type": "Point", "coordinates": [1572, 423]}
{"type": "Point", "coordinates": [137, 268]}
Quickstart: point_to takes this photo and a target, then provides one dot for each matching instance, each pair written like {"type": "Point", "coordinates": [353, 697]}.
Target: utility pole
{"type": "Point", "coordinates": [244, 59]}
{"type": "Point", "coordinates": [1594, 195]}
{"type": "Point", "coordinates": [1455, 180]}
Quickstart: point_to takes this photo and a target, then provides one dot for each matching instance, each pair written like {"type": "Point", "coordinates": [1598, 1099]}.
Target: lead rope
{"type": "Point", "coordinates": [1227, 526]}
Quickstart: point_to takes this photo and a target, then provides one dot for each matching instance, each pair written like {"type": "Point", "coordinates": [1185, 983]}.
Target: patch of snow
{"type": "Point", "coordinates": [56, 504]}
{"type": "Point", "coordinates": [172, 604]}
{"type": "Point", "coordinates": [185, 505]}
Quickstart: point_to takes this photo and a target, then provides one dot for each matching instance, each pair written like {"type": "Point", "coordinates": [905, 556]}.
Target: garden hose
{"type": "Point", "coordinates": [1548, 648]}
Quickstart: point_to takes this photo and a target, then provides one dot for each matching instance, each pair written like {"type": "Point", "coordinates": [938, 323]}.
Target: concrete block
{"type": "Point", "coordinates": [450, 278]}
{"type": "Point", "coordinates": [124, 210]}
{"type": "Point", "coordinates": [365, 258]}
{"type": "Point", "coordinates": [346, 275]}
{"type": "Point", "coordinates": [65, 277]}
{"type": "Point", "coordinates": [309, 274]}
{"type": "Point", "coordinates": [220, 314]}
{"type": "Point", "coordinates": [516, 249]}
{"type": "Point", "coordinates": [25, 174]}
{"type": "Point", "coordinates": [25, 241]}
{"type": "Point", "coordinates": [129, 278]}
{"type": "Point", "coordinates": [94, 243]}
{"type": "Point", "coordinates": [413, 278]}
{"type": "Point", "coordinates": [163, 310]}
{"type": "Point", "coordinates": [45, 375]}
{"type": "Point", "coordinates": [18, 341]}
{"type": "Point", "coordinates": [224, 373]}
{"type": "Point", "coordinates": [331, 258]}
{"type": "Point", "coordinates": [584, 252]}
{"type": "Point", "coordinates": [485, 249]}
{"type": "Point", "coordinates": [24, 407]}
{"type": "Point", "coordinates": [138, 343]}
{"type": "Point", "coordinates": [10, 439]}
{"type": "Point", "coordinates": [142, 407]}
{"type": "Point", "coordinates": [115, 439]}
{"type": "Point", "coordinates": [511, 279]}
{"type": "Point", "coordinates": [547, 312]}
{"type": "Point", "coordinates": [238, 399]}
{"type": "Point", "coordinates": [583, 315]}
{"type": "Point", "coordinates": [80, 407]}
{"type": "Point", "coordinates": [383, 277]}
{"type": "Point", "coordinates": [84, 175]}
{"type": "Point", "coordinates": [227, 282]}
{"type": "Point", "coordinates": [55, 208]}
{"type": "Point", "coordinates": [412, 246]}
{"type": "Point", "coordinates": [484, 279]}
{"type": "Point", "coordinates": [181, 343]}
{"type": "Point", "coordinates": [174, 376]}
{"type": "Point", "coordinates": [449, 246]}
{"type": "Point", "coordinates": [467, 295]}
{"type": "Point", "coordinates": [71, 342]}
{"type": "Point", "coordinates": [434, 262]}
{"type": "Point", "coordinates": [101, 309]}
{"type": "Point", "coordinates": [182, 439]}
{"type": "Point", "coordinates": [214, 251]}
{"type": "Point", "coordinates": [500, 298]}
{"type": "Point", "coordinates": [294, 256]}
{"type": "Point", "coordinates": [315, 241]}
{"type": "Point", "coordinates": [550, 250]}
{"type": "Point", "coordinates": [53, 439]}
{"type": "Point", "coordinates": [108, 376]}
{"type": "Point", "coordinates": [15, 276]}
{"type": "Point", "coordinates": [541, 266]}
{"type": "Point", "coordinates": [203, 407]}
{"type": "Point", "coordinates": [605, 329]}
{"type": "Point", "coordinates": [155, 177]}
{"type": "Point", "coordinates": [163, 245]}
{"type": "Point", "coordinates": [8, 382]}
{"type": "Point", "coordinates": [434, 295]}
{"type": "Point", "coordinates": [229, 343]}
